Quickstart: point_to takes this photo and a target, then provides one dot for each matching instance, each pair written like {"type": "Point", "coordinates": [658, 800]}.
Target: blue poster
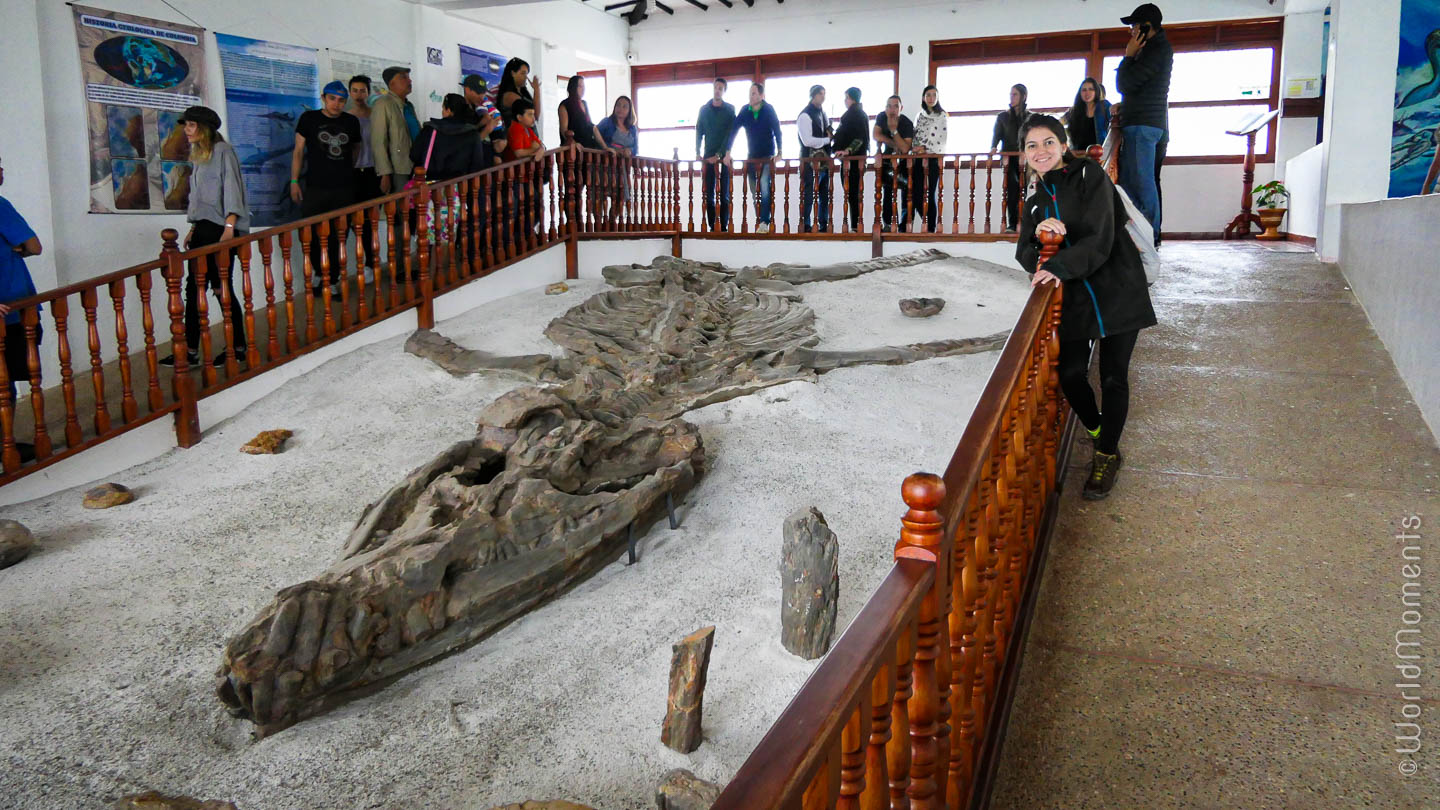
{"type": "Point", "coordinates": [267, 86]}
{"type": "Point", "coordinates": [488, 66]}
{"type": "Point", "coordinates": [1417, 100]}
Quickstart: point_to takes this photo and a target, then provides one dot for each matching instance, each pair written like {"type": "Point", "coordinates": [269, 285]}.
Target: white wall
{"type": "Point", "coordinates": [1299, 57]}
{"type": "Point", "coordinates": [1388, 251]}
{"type": "Point", "coordinates": [1359, 109]}
{"type": "Point", "coordinates": [24, 152]}
{"type": "Point", "coordinates": [1302, 178]}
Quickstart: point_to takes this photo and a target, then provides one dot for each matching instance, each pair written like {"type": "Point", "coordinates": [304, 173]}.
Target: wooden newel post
{"type": "Point", "coordinates": [187, 419]}
{"type": "Point", "coordinates": [1049, 245]}
{"type": "Point", "coordinates": [922, 537]}
{"type": "Point", "coordinates": [425, 309]}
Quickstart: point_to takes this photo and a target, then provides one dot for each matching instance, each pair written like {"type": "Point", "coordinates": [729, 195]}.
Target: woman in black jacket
{"type": "Point", "coordinates": [1006, 136]}
{"type": "Point", "coordinates": [450, 147]}
{"type": "Point", "coordinates": [1105, 295]}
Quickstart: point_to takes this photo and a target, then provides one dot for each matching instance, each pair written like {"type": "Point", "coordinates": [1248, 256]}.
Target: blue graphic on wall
{"type": "Point", "coordinates": [267, 86]}
{"type": "Point", "coordinates": [142, 62]}
{"type": "Point", "coordinates": [1416, 128]}
{"type": "Point", "coordinates": [486, 65]}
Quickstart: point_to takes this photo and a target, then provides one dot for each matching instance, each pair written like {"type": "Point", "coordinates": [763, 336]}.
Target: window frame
{"type": "Point", "coordinates": [1096, 44]}
{"type": "Point", "coordinates": [764, 68]}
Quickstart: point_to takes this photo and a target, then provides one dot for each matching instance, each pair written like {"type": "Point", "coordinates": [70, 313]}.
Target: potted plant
{"type": "Point", "coordinates": [1269, 197]}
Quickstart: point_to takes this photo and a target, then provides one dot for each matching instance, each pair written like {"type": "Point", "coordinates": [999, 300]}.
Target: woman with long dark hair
{"type": "Point", "coordinates": [217, 212]}
{"type": "Point", "coordinates": [1099, 269]}
{"type": "Point", "coordinates": [574, 113]}
{"type": "Point", "coordinates": [516, 83]}
{"type": "Point", "coordinates": [621, 134]}
{"type": "Point", "coordinates": [931, 132]}
{"type": "Point", "coordinates": [1089, 117]}
{"type": "Point", "coordinates": [1007, 137]}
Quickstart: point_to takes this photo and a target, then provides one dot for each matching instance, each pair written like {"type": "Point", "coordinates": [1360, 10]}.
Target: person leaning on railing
{"type": "Point", "coordinates": [327, 142]}
{"type": "Point", "coordinates": [1105, 295]}
{"type": "Point", "coordinates": [17, 242]}
{"type": "Point", "coordinates": [813, 127]}
{"type": "Point", "coordinates": [932, 129]}
{"type": "Point", "coordinates": [523, 143]}
{"type": "Point", "coordinates": [1006, 136]}
{"type": "Point", "coordinates": [217, 213]}
{"type": "Point", "coordinates": [894, 133]}
{"type": "Point", "coordinates": [457, 150]}
{"type": "Point", "coordinates": [763, 140]}
{"type": "Point", "coordinates": [712, 145]}
{"type": "Point", "coordinates": [621, 134]}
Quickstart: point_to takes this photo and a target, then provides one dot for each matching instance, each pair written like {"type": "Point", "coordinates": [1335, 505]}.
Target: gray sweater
{"type": "Point", "coordinates": [217, 189]}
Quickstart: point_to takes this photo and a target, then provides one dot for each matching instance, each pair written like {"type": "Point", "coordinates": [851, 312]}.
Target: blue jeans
{"type": "Point", "coordinates": [814, 181]}
{"type": "Point", "coordinates": [761, 175]}
{"type": "Point", "coordinates": [1138, 174]}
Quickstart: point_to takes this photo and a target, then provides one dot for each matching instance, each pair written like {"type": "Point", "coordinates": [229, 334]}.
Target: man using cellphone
{"type": "Point", "coordinates": [1144, 79]}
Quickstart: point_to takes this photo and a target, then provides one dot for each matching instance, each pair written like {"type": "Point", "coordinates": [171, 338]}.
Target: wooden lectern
{"type": "Point", "coordinates": [1240, 226]}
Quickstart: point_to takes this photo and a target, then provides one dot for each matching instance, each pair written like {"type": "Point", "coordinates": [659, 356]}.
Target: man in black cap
{"type": "Point", "coordinates": [1144, 79]}
{"type": "Point", "coordinates": [492, 139]}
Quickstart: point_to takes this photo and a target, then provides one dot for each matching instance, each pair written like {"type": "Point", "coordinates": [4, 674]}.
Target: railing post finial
{"type": "Point", "coordinates": [1049, 246]}
{"type": "Point", "coordinates": [169, 241]}
{"type": "Point", "coordinates": [920, 528]}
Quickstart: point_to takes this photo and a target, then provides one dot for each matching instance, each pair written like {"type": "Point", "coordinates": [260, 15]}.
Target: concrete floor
{"type": "Point", "coordinates": [1220, 632]}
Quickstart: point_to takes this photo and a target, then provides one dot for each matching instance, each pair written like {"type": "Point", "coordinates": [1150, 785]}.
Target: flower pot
{"type": "Point", "coordinates": [1270, 219]}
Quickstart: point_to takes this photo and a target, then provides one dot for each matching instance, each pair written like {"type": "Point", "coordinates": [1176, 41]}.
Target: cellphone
{"type": "Point", "coordinates": [1145, 29]}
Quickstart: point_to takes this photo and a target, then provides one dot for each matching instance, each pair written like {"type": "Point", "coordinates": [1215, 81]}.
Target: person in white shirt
{"type": "Point", "coordinates": [815, 130]}
{"type": "Point", "coordinates": [931, 132]}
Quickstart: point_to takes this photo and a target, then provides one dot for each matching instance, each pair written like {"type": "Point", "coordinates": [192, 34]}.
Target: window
{"type": "Point", "coordinates": [668, 98]}
{"type": "Point", "coordinates": [975, 94]}
{"type": "Point", "coordinates": [595, 96]}
{"type": "Point", "coordinates": [1224, 72]}
{"type": "Point", "coordinates": [1201, 78]}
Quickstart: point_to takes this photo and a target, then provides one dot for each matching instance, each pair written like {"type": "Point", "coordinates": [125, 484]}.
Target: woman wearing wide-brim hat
{"type": "Point", "coordinates": [217, 212]}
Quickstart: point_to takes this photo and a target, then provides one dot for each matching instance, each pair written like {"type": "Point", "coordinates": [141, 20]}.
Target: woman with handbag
{"type": "Point", "coordinates": [449, 147]}
{"type": "Point", "coordinates": [1105, 295]}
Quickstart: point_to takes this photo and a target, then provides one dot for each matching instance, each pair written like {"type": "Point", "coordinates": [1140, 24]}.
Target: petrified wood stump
{"type": "Point", "coordinates": [689, 661]}
{"type": "Point", "coordinates": [16, 541]}
{"type": "Point", "coordinates": [542, 496]}
{"type": "Point", "coordinates": [683, 790]}
{"type": "Point", "coordinates": [810, 584]}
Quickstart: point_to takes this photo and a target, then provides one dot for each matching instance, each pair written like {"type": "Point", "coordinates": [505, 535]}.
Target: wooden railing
{"type": "Point", "coordinates": [907, 709]}
{"type": "Point", "coordinates": [955, 196]}
{"type": "Point", "coordinates": [275, 302]}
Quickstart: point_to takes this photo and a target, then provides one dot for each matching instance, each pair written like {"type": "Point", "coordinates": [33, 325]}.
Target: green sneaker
{"type": "Point", "coordinates": [1101, 480]}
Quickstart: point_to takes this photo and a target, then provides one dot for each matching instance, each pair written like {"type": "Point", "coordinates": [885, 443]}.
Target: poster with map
{"type": "Point", "coordinates": [1416, 127]}
{"type": "Point", "coordinates": [139, 75]}
{"type": "Point", "coordinates": [267, 86]}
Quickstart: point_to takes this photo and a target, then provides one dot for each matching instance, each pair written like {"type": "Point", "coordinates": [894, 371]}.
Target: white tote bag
{"type": "Point", "coordinates": [1144, 235]}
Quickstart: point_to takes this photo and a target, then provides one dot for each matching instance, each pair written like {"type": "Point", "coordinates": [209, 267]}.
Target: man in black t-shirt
{"type": "Point", "coordinates": [326, 141]}
{"type": "Point", "coordinates": [894, 133]}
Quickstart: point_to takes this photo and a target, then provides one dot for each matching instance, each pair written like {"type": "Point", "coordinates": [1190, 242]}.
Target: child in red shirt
{"type": "Point", "coordinates": [520, 137]}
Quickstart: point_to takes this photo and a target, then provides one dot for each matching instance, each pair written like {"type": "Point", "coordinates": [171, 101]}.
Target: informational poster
{"type": "Point", "coordinates": [267, 86]}
{"type": "Point", "coordinates": [1417, 100]}
{"type": "Point", "coordinates": [345, 64]}
{"type": "Point", "coordinates": [486, 65]}
{"type": "Point", "coordinates": [139, 75]}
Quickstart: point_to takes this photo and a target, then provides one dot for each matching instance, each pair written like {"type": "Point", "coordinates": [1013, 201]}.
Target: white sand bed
{"type": "Point", "coordinates": [113, 628]}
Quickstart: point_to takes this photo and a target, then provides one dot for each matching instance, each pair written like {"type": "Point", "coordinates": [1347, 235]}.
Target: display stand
{"type": "Point", "coordinates": [1239, 227]}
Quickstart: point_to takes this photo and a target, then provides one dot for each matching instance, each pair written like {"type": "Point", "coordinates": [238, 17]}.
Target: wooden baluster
{"type": "Point", "coordinates": [845, 193]}
{"type": "Point", "coordinates": [526, 205]}
{"type": "Point", "coordinates": [987, 549]}
{"type": "Point", "coordinates": [834, 176]}
{"type": "Point", "coordinates": [532, 183]}
{"type": "Point", "coordinates": [895, 205]}
{"type": "Point", "coordinates": [853, 744]}
{"type": "Point", "coordinates": [252, 346]}
{"type": "Point", "coordinates": [875, 794]}
{"type": "Point", "coordinates": [409, 273]}
{"type": "Point", "coordinates": [551, 194]}
{"type": "Point", "coordinates": [371, 216]}
{"type": "Point", "coordinates": [154, 396]}
{"type": "Point", "coordinates": [487, 231]}
{"type": "Point", "coordinates": [879, 187]}
{"type": "Point", "coordinates": [824, 788]}
{"type": "Point", "coordinates": [287, 276]}
{"type": "Point", "coordinates": [322, 237]}
{"type": "Point", "coordinates": [30, 319]}
{"type": "Point", "coordinates": [690, 185]}
{"type": "Point", "coordinates": [989, 187]}
{"type": "Point", "coordinates": [675, 193]}
{"type": "Point", "coordinates": [129, 408]}
{"type": "Point", "coordinates": [964, 656]}
{"type": "Point", "coordinates": [922, 537]}
{"type": "Point", "coordinates": [424, 314]}
{"type": "Point", "coordinates": [781, 167]}
{"type": "Point", "coordinates": [272, 316]}
{"type": "Point", "coordinates": [955, 190]}
{"type": "Point", "coordinates": [340, 226]}
{"type": "Point", "coordinates": [897, 751]}
{"type": "Point", "coordinates": [512, 226]}
{"type": "Point", "coordinates": [60, 312]}
{"type": "Point", "coordinates": [307, 286]}
{"type": "Point", "coordinates": [973, 161]}
{"type": "Point", "coordinates": [9, 452]}
{"type": "Point", "coordinates": [362, 258]}
{"type": "Point", "coordinates": [390, 211]}
{"type": "Point", "coordinates": [227, 321]}
{"type": "Point", "coordinates": [90, 301]}
{"type": "Point", "coordinates": [187, 418]}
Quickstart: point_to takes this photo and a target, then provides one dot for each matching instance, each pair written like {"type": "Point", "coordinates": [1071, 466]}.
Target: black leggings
{"type": "Point", "coordinates": [208, 233]}
{"type": "Point", "coordinates": [1074, 369]}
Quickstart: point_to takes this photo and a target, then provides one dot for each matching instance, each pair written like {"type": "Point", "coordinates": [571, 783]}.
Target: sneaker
{"type": "Point", "coordinates": [1101, 480]}
{"type": "Point", "coordinates": [763, 227]}
{"type": "Point", "coordinates": [219, 361]}
{"type": "Point", "coordinates": [335, 290]}
{"type": "Point", "coordinates": [190, 357]}
{"type": "Point", "coordinates": [1093, 434]}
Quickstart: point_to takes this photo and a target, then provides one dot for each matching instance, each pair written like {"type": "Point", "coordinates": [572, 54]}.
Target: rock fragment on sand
{"type": "Point", "coordinates": [106, 496]}
{"type": "Point", "coordinates": [536, 805]}
{"type": "Point", "coordinates": [151, 800]}
{"type": "Point", "coordinates": [557, 288]}
{"type": "Point", "coordinates": [809, 584]}
{"type": "Point", "coordinates": [683, 790]}
{"type": "Point", "coordinates": [267, 442]}
{"type": "Point", "coordinates": [921, 307]}
{"type": "Point", "coordinates": [689, 662]}
{"type": "Point", "coordinates": [16, 541]}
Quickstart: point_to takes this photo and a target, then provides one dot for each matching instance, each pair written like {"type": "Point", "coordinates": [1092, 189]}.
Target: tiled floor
{"type": "Point", "coordinates": [1220, 632]}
